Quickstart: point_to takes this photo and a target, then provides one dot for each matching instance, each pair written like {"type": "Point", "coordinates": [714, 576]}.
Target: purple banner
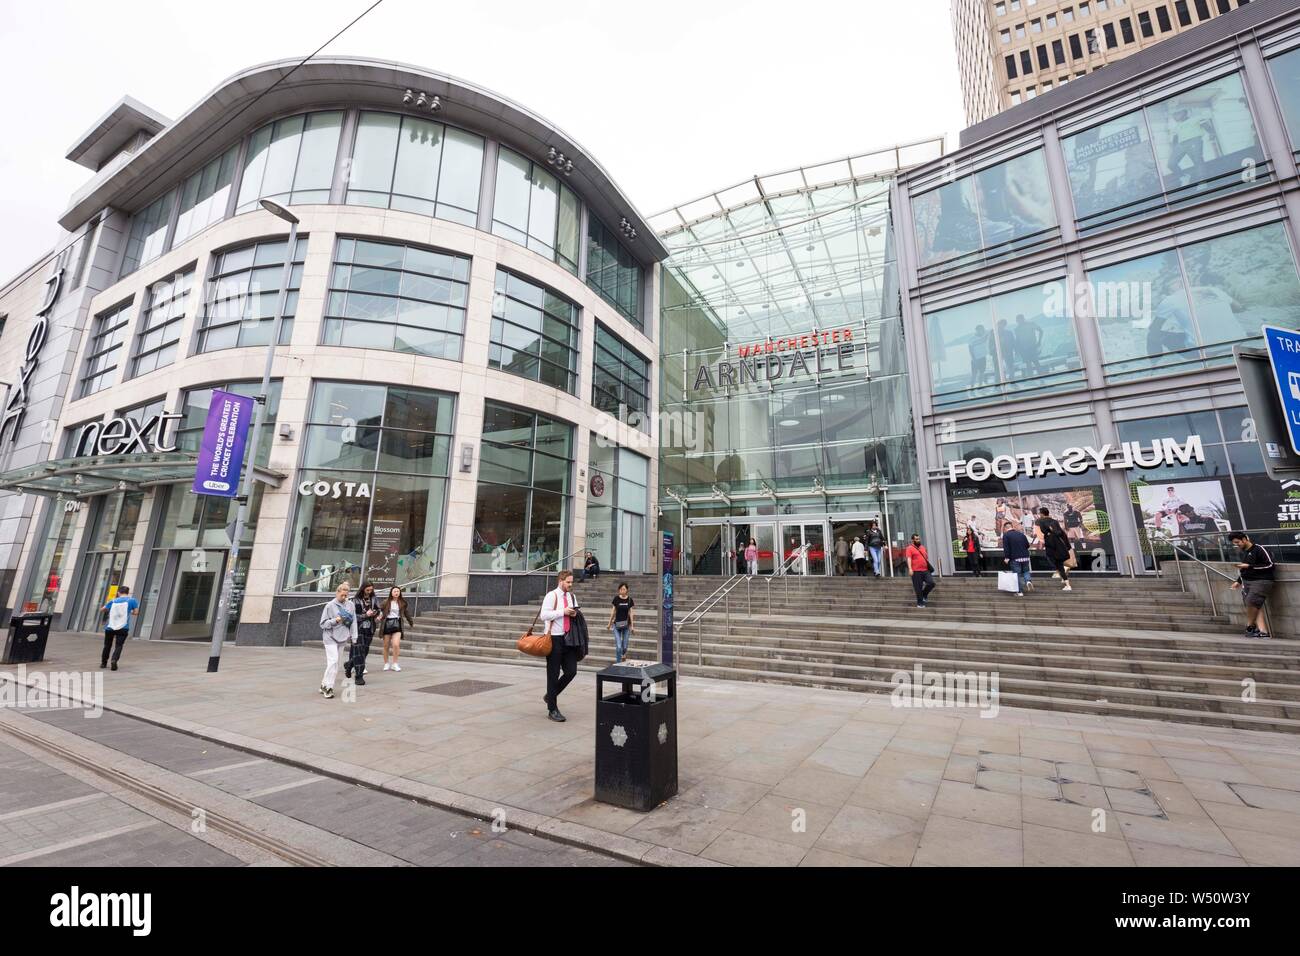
{"type": "Point", "coordinates": [666, 617]}
{"type": "Point", "coordinates": [221, 454]}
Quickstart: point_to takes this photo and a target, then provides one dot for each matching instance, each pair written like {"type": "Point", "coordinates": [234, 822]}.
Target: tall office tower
{"type": "Point", "coordinates": [1009, 51]}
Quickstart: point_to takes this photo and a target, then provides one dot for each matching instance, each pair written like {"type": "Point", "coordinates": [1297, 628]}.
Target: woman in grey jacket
{"type": "Point", "coordinates": [338, 626]}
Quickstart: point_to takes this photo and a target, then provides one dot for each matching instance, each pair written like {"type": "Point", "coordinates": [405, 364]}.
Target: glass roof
{"type": "Point", "coordinates": [790, 251]}
{"type": "Point", "coordinates": [98, 474]}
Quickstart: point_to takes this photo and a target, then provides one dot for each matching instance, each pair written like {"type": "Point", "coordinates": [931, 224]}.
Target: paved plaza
{"type": "Point", "coordinates": [769, 775]}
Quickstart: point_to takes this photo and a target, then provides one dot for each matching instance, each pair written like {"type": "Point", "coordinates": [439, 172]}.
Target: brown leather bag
{"type": "Point", "coordinates": [536, 645]}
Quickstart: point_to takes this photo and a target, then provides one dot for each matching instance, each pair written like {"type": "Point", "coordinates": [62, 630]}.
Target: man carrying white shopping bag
{"type": "Point", "coordinates": [1015, 550]}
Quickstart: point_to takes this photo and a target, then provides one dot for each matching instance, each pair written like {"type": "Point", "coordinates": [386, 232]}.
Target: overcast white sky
{"type": "Point", "coordinates": [675, 98]}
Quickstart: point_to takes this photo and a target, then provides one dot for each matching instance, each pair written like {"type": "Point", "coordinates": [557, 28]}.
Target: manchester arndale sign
{"type": "Point", "coordinates": [1075, 461]}
{"type": "Point", "coordinates": [809, 354]}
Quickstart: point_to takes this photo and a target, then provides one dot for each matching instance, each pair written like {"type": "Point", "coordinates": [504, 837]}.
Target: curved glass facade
{"type": "Point", "coordinates": [366, 157]}
{"type": "Point", "coordinates": [387, 295]}
{"type": "Point", "coordinates": [410, 163]}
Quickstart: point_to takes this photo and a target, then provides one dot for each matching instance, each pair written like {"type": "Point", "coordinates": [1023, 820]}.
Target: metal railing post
{"type": "Point", "coordinates": [1178, 560]}
{"type": "Point", "coordinates": [1214, 608]}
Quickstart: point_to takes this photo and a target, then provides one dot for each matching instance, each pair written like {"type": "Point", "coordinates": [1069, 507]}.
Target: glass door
{"type": "Point", "coordinates": [807, 540]}
{"type": "Point", "coordinates": [763, 534]}
{"type": "Point", "coordinates": [104, 581]}
{"type": "Point", "coordinates": [191, 611]}
{"type": "Point", "coordinates": [706, 549]}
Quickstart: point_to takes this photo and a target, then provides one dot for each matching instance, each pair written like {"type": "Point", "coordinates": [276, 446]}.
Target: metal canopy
{"type": "Point", "coordinates": [93, 475]}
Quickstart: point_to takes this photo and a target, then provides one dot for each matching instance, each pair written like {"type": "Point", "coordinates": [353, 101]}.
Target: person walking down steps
{"type": "Point", "coordinates": [918, 561]}
{"type": "Point", "coordinates": [621, 621]}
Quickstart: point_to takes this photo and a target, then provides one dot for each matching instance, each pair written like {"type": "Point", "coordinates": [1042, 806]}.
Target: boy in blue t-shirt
{"type": "Point", "coordinates": [118, 624]}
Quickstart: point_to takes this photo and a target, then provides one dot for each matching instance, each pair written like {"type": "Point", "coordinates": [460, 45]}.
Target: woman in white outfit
{"type": "Point", "coordinates": [859, 554]}
{"type": "Point", "coordinates": [338, 626]}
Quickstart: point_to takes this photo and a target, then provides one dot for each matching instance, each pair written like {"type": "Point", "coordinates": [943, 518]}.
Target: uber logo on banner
{"type": "Point", "coordinates": [126, 436]}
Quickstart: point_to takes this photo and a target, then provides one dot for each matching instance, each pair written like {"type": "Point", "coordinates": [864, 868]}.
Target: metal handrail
{"type": "Point", "coordinates": [289, 612]}
{"type": "Point", "coordinates": [717, 592]}
{"type": "Point", "coordinates": [780, 572]}
{"type": "Point", "coordinates": [510, 597]}
{"type": "Point", "coordinates": [696, 617]}
{"type": "Point", "coordinates": [722, 594]}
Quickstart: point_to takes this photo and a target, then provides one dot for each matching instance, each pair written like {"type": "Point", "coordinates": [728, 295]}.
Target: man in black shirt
{"type": "Point", "coordinates": [1255, 581]}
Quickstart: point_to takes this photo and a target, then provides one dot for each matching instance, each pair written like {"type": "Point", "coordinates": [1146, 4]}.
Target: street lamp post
{"type": "Point", "coordinates": [241, 513]}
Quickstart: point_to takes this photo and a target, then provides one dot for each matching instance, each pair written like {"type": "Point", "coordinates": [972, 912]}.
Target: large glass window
{"type": "Point", "coordinates": [291, 160]}
{"type": "Point", "coordinates": [372, 487]}
{"type": "Point", "coordinates": [242, 292]}
{"type": "Point", "coordinates": [534, 333]}
{"type": "Point", "coordinates": [405, 162]}
{"type": "Point", "coordinates": [613, 271]}
{"type": "Point", "coordinates": [1017, 342]}
{"type": "Point", "coordinates": [205, 196]}
{"type": "Point", "coordinates": [535, 209]}
{"type": "Point", "coordinates": [160, 327]}
{"type": "Point", "coordinates": [1286, 81]}
{"type": "Point", "coordinates": [1182, 149]}
{"type": "Point", "coordinates": [987, 215]}
{"type": "Point", "coordinates": [1184, 309]}
{"type": "Point", "coordinates": [620, 379]}
{"type": "Point", "coordinates": [104, 351]}
{"type": "Point", "coordinates": [390, 296]}
{"type": "Point", "coordinates": [521, 513]}
{"type": "Point", "coordinates": [148, 237]}
{"type": "Point", "coordinates": [616, 506]}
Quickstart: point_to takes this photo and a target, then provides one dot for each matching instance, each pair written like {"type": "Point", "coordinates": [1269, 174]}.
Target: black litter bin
{"type": "Point", "coordinates": [636, 736]}
{"type": "Point", "coordinates": [27, 636]}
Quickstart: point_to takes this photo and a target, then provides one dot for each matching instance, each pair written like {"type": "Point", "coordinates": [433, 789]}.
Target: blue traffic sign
{"type": "Point", "coordinates": [1284, 356]}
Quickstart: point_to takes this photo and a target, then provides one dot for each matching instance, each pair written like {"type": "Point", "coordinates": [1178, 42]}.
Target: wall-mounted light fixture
{"type": "Point", "coordinates": [557, 159]}
{"type": "Point", "coordinates": [421, 101]}
{"type": "Point", "coordinates": [627, 228]}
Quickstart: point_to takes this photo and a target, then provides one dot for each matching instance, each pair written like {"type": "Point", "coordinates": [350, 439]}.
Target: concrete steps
{"type": "Point", "coordinates": [1160, 654]}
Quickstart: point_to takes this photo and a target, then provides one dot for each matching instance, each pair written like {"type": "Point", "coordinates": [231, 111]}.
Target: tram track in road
{"type": "Point", "coordinates": [255, 808]}
{"type": "Point", "coordinates": [91, 760]}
